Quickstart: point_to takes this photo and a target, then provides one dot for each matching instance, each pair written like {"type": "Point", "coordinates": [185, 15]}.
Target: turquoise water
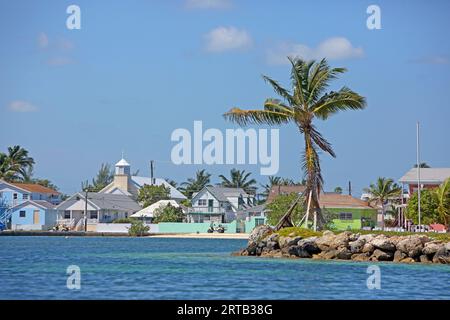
{"type": "Point", "coordinates": [151, 268]}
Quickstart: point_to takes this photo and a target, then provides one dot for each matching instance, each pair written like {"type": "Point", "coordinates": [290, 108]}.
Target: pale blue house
{"type": "Point", "coordinates": [25, 206]}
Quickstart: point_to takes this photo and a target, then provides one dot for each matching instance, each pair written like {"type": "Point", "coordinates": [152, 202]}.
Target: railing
{"type": "Point", "coordinates": [206, 210]}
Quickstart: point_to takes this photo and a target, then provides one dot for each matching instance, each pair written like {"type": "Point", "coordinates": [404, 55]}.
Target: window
{"type": "Point", "coordinates": [93, 215]}
{"type": "Point", "coordinates": [345, 216]}
{"type": "Point", "coordinates": [25, 196]}
{"type": "Point", "coordinates": [22, 213]}
{"type": "Point", "coordinates": [66, 214]}
{"type": "Point", "coordinates": [201, 202]}
{"type": "Point", "coordinates": [259, 222]}
{"type": "Point", "coordinates": [15, 196]}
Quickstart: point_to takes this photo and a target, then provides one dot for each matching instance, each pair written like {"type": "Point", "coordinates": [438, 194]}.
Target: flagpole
{"type": "Point", "coordinates": [418, 176]}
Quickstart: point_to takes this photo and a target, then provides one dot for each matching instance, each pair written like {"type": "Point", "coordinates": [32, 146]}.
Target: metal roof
{"type": "Point", "coordinates": [427, 175]}
{"type": "Point", "coordinates": [106, 201]}
{"type": "Point", "coordinates": [174, 193]}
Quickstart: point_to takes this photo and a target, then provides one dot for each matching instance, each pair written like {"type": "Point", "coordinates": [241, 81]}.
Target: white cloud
{"type": "Point", "coordinates": [208, 4]}
{"type": "Point", "coordinates": [21, 106]}
{"type": "Point", "coordinates": [336, 48]}
{"type": "Point", "coordinates": [227, 38]}
{"type": "Point", "coordinates": [42, 40]}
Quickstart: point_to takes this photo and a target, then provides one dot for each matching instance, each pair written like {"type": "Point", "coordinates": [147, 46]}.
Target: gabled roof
{"type": "Point", "coordinates": [38, 203]}
{"type": "Point", "coordinates": [427, 175]}
{"type": "Point", "coordinates": [106, 201]}
{"type": "Point", "coordinates": [337, 200]}
{"type": "Point", "coordinates": [174, 193]}
{"type": "Point", "coordinates": [223, 193]}
{"type": "Point", "coordinates": [148, 211]}
{"type": "Point", "coordinates": [35, 188]}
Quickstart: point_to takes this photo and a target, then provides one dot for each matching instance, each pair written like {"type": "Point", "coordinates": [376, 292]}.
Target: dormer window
{"type": "Point", "coordinates": [25, 196]}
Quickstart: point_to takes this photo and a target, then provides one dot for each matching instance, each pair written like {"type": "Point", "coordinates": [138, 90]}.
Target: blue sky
{"type": "Point", "coordinates": [137, 70]}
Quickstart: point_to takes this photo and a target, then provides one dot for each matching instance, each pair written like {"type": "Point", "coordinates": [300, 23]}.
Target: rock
{"type": "Point", "coordinates": [379, 255]}
{"type": "Point", "coordinates": [292, 250]}
{"type": "Point", "coordinates": [442, 256]}
{"type": "Point", "coordinates": [344, 254]}
{"type": "Point", "coordinates": [383, 243]}
{"type": "Point", "coordinates": [327, 233]}
{"type": "Point", "coordinates": [273, 245]}
{"type": "Point", "coordinates": [368, 248]}
{"type": "Point", "coordinates": [447, 246]}
{"type": "Point", "coordinates": [357, 245]}
{"type": "Point", "coordinates": [366, 237]}
{"type": "Point", "coordinates": [360, 257]}
{"type": "Point", "coordinates": [294, 241]}
{"type": "Point", "coordinates": [341, 240]}
{"type": "Point", "coordinates": [309, 245]}
{"type": "Point", "coordinates": [424, 259]}
{"type": "Point", "coordinates": [273, 237]}
{"type": "Point", "coordinates": [408, 260]}
{"type": "Point", "coordinates": [432, 247]}
{"type": "Point", "coordinates": [354, 237]}
{"type": "Point", "coordinates": [316, 257]}
{"type": "Point", "coordinates": [411, 245]}
{"type": "Point", "coordinates": [302, 253]}
{"type": "Point", "coordinates": [283, 241]}
{"type": "Point", "coordinates": [251, 249]}
{"type": "Point", "coordinates": [325, 241]}
{"type": "Point", "coordinates": [259, 233]}
{"type": "Point", "coordinates": [330, 254]}
{"type": "Point", "coordinates": [398, 256]}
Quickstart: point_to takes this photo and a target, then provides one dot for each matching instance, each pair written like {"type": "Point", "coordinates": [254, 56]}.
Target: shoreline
{"type": "Point", "coordinates": [243, 236]}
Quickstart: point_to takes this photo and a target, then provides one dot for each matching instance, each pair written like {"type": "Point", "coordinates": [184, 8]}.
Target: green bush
{"type": "Point", "coordinates": [298, 232]}
{"type": "Point", "coordinates": [138, 229]}
{"type": "Point", "coordinates": [168, 213]}
{"type": "Point", "coordinates": [280, 205]}
{"type": "Point", "coordinates": [125, 220]}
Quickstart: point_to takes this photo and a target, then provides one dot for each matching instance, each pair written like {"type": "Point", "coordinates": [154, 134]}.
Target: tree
{"type": "Point", "coordinates": [239, 179]}
{"type": "Point", "coordinates": [192, 185]}
{"type": "Point", "coordinates": [138, 229]}
{"type": "Point", "coordinates": [428, 207]}
{"type": "Point", "coordinates": [338, 190]}
{"type": "Point", "coordinates": [381, 191]}
{"type": "Point", "coordinates": [168, 213]}
{"type": "Point", "coordinates": [149, 194]}
{"type": "Point", "coordinates": [276, 181]}
{"type": "Point", "coordinates": [15, 165]}
{"type": "Point", "coordinates": [172, 182]}
{"type": "Point", "coordinates": [278, 207]}
{"type": "Point", "coordinates": [306, 102]}
{"type": "Point", "coordinates": [422, 165]}
{"type": "Point", "coordinates": [442, 194]}
{"type": "Point", "coordinates": [104, 177]}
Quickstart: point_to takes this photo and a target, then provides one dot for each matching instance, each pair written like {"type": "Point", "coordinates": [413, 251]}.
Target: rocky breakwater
{"type": "Point", "coordinates": [264, 242]}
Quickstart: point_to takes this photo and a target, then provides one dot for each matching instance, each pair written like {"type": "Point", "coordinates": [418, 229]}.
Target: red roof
{"type": "Point", "coordinates": [438, 227]}
{"type": "Point", "coordinates": [35, 188]}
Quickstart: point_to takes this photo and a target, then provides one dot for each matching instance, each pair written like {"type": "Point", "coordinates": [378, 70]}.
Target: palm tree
{"type": "Point", "coordinates": [201, 180]}
{"type": "Point", "coordinates": [381, 191]}
{"type": "Point", "coordinates": [172, 182]}
{"type": "Point", "coordinates": [239, 179]}
{"type": "Point", "coordinates": [16, 164]}
{"type": "Point", "coordinates": [104, 177]}
{"type": "Point", "coordinates": [443, 198]}
{"type": "Point", "coordinates": [277, 181]}
{"type": "Point", "coordinates": [338, 190]}
{"type": "Point", "coordinates": [306, 102]}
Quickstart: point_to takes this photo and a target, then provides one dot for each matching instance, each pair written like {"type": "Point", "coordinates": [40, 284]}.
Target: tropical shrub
{"type": "Point", "coordinates": [428, 206]}
{"type": "Point", "coordinates": [138, 229]}
{"type": "Point", "coordinates": [278, 207]}
{"type": "Point", "coordinates": [168, 213]}
{"type": "Point", "coordinates": [149, 194]}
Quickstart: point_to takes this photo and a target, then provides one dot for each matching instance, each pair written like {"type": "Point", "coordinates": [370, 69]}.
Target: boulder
{"type": "Point", "coordinates": [330, 254]}
{"type": "Point", "coordinates": [383, 243]}
{"type": "Point", "coordinates": [379, 255]}
{"type": "Point", "coordinates": [360, 257]}
{"type": "Point", "coordinates": [325, 241]}
{"type": "Point", "coordinates": [273, 237]}
{"type": "Point", "coordinates": [424, 259]}
{"type": "Point", "coordinates": [309, 245]}
{"type": "Point", "coordinates": [357, 245]}
{"type": "Point", "coordinates": [442, 256]}
{"type": "Point", "coordinates": [294, 241]}
{"type": "Point", "coordinates": [302, 253]}
{"type": "Point", "coordinates": [252, 248]}
{"type": "Point", "coordinates": [341, 240]}
{"type": "Point", "coordinates": [366, 237]}
{"type": "Point", "coordinates": [273, 245]}
{"type": "Point", "coordinates": [430, 248]}
{"type": "Point", "coordinates": [343, 253]}
{"type": "Point", "coordinates": [408, 260]}
{"type": "Point", "coordinates": [399, 256]}
{"type": "Point", "coordinates": [411, 245]}
{"type": "Point", "coordinates": [368, 248]}
{"type": "Point", "coordinates": [259, 233]}
{"type": "Point", "coordinates": [283, 241]}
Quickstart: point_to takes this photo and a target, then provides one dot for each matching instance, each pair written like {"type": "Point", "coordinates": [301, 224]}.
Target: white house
{"type": "Point", "coordinates": [126, 184]}
{"type": "Point", "coordinates": [219, 204]}
{"type": "Point", "coordinates": [147, 213]}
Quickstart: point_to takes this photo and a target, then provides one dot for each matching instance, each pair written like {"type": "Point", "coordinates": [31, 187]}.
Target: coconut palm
{"type": "Point", "coordinates": [443, 198]}
{"type": "Point", "coordinates": [239, 179]}
{"type": "Point", "coordinates": [422, 165]}
{"type": "Point", "coordinates": [201, 180]}
{"type": "Point", "coordinates": [16, 164]}
{"type": "Point", "coordinates": [303, 105]}
{"type": "Point", "coordinates": [381, 191]}
{"type": "Point", "coordinates": [277, 181]}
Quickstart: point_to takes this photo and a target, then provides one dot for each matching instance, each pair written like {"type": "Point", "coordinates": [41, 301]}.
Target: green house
{"type": "Point", "coordinates": [350, 213]}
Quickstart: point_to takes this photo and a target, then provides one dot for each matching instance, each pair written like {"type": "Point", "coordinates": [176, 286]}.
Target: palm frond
{"type": "Point", "coordinates": [245, 117]}
{"type": "Point", "coordinates": [284, 93]}
{"type": "Point", "coordinates": [344, 99]}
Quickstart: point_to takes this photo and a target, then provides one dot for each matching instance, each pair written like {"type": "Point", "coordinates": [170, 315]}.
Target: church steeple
{"type": "Point", "coordinates": [122, 167]}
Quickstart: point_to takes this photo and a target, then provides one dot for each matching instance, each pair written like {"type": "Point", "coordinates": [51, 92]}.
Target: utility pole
{"type": "Point", "coordinates": [86, 190]}
{"type": "Point", "coordinates": [349, 188]}
{"type": "Point", "coordinates": [418, 175]}
{"type": "Point", "coordinates": [151, 171]}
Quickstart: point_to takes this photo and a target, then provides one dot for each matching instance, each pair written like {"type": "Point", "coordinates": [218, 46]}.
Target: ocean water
{"type": "Point", "coordinates": [156, 268]}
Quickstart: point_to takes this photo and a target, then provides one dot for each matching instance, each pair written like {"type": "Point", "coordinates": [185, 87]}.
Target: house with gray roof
{"type": "Point", "coordinates": [429, 178]}
{"type": "Point", "coordinates": [219, 204]}
{"type": "Point", "coordinates": [101, 208]}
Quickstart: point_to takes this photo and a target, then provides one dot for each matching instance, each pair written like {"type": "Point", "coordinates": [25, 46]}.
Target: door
{"type": "Point", "coordinates": [36, 217]}
{"type": "Point", "coordinates": [210, 205]}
